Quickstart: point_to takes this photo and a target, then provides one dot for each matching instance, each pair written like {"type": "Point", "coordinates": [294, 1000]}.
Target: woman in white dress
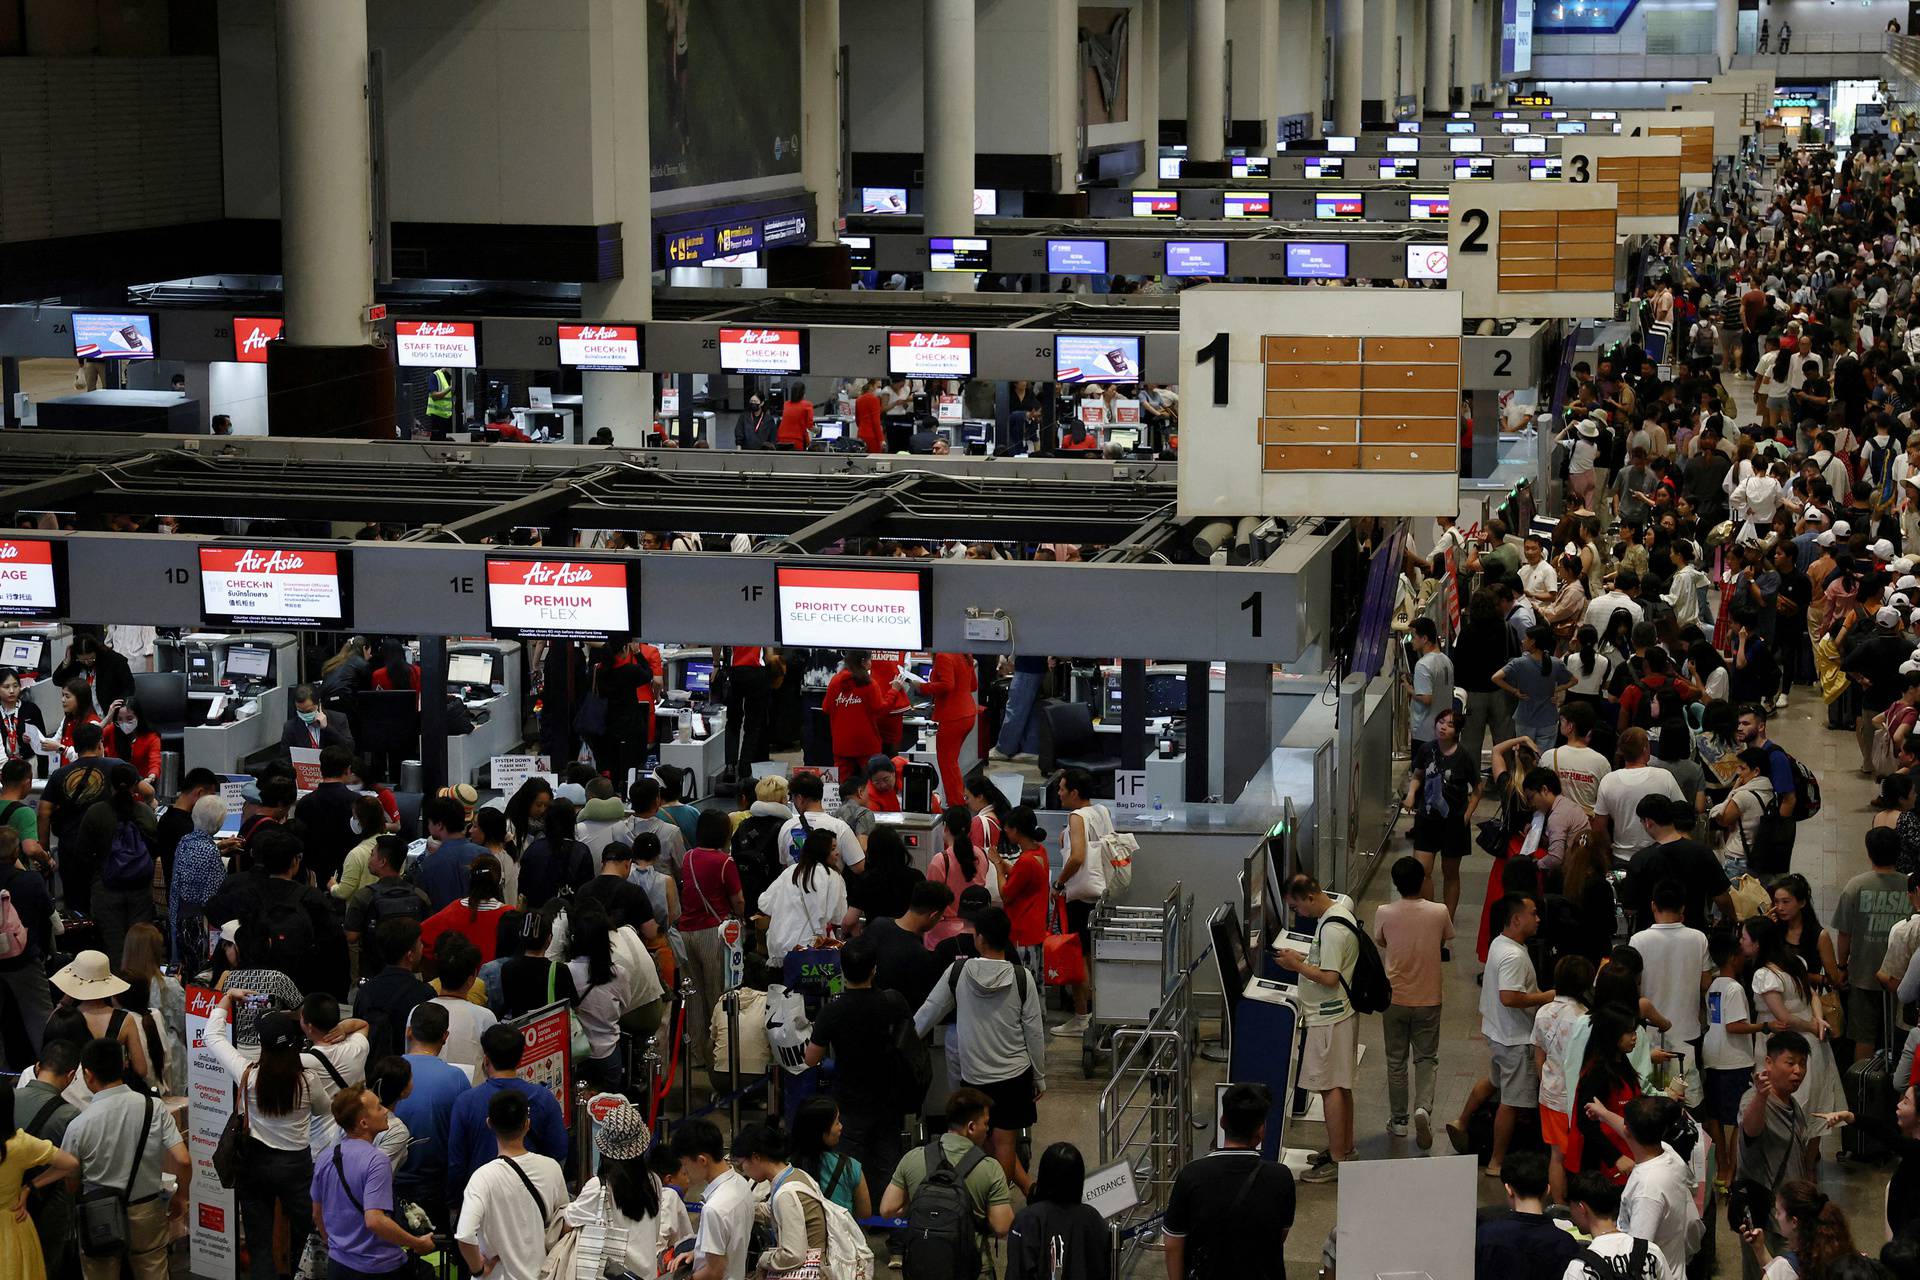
{"type": "Point", "coordinates": [1777, 979]}
{"type": "Point", "coordinates": [619, 1208]}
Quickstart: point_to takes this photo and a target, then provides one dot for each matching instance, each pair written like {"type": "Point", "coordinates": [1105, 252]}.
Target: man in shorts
{"type": "Point", "coordinates": [1333, 1031]}
{"type": "Point", "coordinates": [1509, 995]}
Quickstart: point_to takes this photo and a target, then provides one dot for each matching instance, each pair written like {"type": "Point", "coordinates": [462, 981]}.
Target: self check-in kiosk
{"type": "Point", "coordinates": [238, 693]}
{"type": "Point", "coordinates": [485, 676]}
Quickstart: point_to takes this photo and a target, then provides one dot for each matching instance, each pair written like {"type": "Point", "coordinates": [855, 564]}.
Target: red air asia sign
{"type": "Point", "coordinates": [930, 355]}
{"type": "Point", "coordinates": [251, 334]}
{"type": "Point", "coordinates": [436, 344]}
{"type": "Point", "coordinates": [289, 586]}
{"type": "Point", "coordinates": [585, 599]}
{"type": "Point", "coordinates": [600, 346]}
{"type": "Point", "coordinates": [852, 608]}
{"type": "Point", "coordinates": [761, 351]}
{"type": "Point", "coordinates": [29, 583]}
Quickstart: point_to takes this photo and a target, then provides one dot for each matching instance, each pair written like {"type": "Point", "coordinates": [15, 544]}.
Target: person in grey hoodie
{"type": "Point", "coordinates": [999, 1038]}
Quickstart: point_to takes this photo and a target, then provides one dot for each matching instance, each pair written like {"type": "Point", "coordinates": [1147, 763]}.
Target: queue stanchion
{"type": "Point", "coordinates": [582, 1130]}
{"type": "Point", "coordinates": [686, 1059]}
{"type": "Point", "coordinates": [733, 1057]}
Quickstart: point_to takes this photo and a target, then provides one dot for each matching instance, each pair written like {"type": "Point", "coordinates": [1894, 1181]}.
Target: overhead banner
{"type": "Point", "coordinates": [614, 347]}
{"type": "Point", "coordinates": [561, 599]}
{"type": "Point", "coordinates": [763, 350]}
{"type": "Point", "coordinates": [279, 586]}
{"type": "Point", "coordinates": [210, 1226]}
{"type": "Point", "coordinates": [852, 608]}
{"type": "Point", "coordinates": [436, 344]}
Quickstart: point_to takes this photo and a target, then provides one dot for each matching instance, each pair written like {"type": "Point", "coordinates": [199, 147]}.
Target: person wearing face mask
{"type": "Point", "coordinates": [367, 823]}
{"type": "Point", "coordinates": [106, 672]}
{"type": "Point", "coordinates": [755, 427]}
{"type": "Point", "coordinates": [128, 737]}
{"type": "Point", "coordinates": [16, 713]}
{"type": "Point", "coordinates": [311, 727]}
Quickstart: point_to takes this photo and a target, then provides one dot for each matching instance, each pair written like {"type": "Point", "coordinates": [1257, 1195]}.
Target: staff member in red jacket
{"type": "Point", "coordinates": [796, 420]}
{"type": "Point", "coordinates": [866, 418]}
{"type": "Point", "coordinates": [854, 708]}
{"type": "Point", "coordinates": [884, 666]}
{"type": "Point", "coordinates": [951, 687]}
{"type": "Point", "coordinates": [130, 738]}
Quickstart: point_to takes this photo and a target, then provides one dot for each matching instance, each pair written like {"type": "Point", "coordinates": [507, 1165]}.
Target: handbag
{"type": "Point", "coordinates": [1492, 838]}
{"type": "Point", "coordinates": [599, 1242]}
{"type": "Point", "coordinates": [1063, 958]}
{"type": "Point", "coordinates": [100, 1215]}
{"type": "Point", "coordinates": [590, 717]}
{"type": "Point", "coordinates": [230, 1154]}
{"type": "Point", "coordinates": [1833, 1011]}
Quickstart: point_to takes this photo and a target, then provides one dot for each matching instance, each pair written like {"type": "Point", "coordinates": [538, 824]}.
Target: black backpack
{"type": "Point", "coordinates": [289, 933]}
{"type": "Point", "coordinates": [1637, 1265]}
{"type": "Point", "coordinates": [943, 1232]}
{"type": "Point", "coordinates": [756, 850]}
{"type": "Point", "coordinates": [393, 902]}
{"type": "Point", "coordinates": [1369, 991]}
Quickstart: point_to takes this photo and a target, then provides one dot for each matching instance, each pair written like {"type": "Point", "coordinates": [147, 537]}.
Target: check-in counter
{"type": "Point", "coordinates": [226, 748]}
{"type": "Point", "coordinates": [469, 754]}
{"type": "Point", "coordinates": [705, 756]}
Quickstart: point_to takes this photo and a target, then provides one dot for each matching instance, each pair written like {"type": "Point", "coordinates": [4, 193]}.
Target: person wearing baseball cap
{"type": "Point", "coordinates": [1023, 878]}
{"type": "Point", "coordinates": [624, 1195]}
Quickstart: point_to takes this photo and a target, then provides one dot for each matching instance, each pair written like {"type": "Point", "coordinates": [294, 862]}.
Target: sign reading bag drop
{"type": "Point", "coordinates": [852, 608]}
{"type": "Point", "coordinates": [437, 344]}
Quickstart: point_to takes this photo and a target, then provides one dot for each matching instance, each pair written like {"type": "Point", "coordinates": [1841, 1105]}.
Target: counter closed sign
{"type": "Point", "coordinates": [287, 586]}
{"type": "Point", "coordinates": [930, 355]}
{"type": "Point", "coordinates": [600, 346]}
{"type": "Point", "coordinates": [437, 344]}
{"type": "Point", "coordinates": [28, 587]}
{"type": "Point", "coordinates": [560, 598]}
{"type": "Point", "coordinates": [852, 608]}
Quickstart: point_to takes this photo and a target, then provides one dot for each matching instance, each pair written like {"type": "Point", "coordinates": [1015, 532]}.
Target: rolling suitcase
{"type": "Point", "coordinates": [1871, 1096]}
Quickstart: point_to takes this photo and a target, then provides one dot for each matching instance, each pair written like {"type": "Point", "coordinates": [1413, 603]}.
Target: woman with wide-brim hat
{"type": "Point", "coordinates": [88, 986]}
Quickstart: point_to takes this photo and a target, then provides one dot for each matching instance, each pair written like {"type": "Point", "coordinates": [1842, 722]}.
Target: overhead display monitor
{"type": "Point", "coordinates": [1543, 169]}
{"type": "Point", "coordinates": [1156, 204]}
{"type": "Point", "coordinates": [602, 346]}
{"type": "Point", "coordinates": [1311, 261]}
{"type": "Point", "coordinates": [763, 350]}
{"type": "Point", "coordinates": [1460, 126]}
{"type": "Point", "coordinates": [1506, 115]}
{"type": "Point", "coordinates": [986, 202]}
{"type": "Point", "coordinates": [1515, 126]}
{"type": "Point", "coordinates": [1407, 126]}
{"type": "Point", "coordinates": [859, 252]}
{"type": "Point", "coordinates": [1473, 167]}
{"type": "Point", "coordinates": [561, 598]}
{"type": "Point", "coordinates": [1392, 167]}
{"type": "Point", "coordinates": [1428, 208]}
{"type": "Point", "coordinates": [1339, 204]}
{"type": "Point", "coordinates": [1604, 115]}
{"type": "Point", "coordinates": [1571, 126]}
{"type": "Point", "coordinates": [883, 199]}
{"type": "Point", "coordinates": [1426, 262]}
{"type": "Point", "coordinates": [249, 586]}
{"type": "Point", "coordinates": [1327, 167]}
{"type": "Point", "coordinates": [1096, 357]}
{"type": "Point", "coordinates": [1247, 204]}
{"type": "Point", "coordinates": [951, 253]}
{"type": "Point", "coordinates": [1341, 143]}
{"type": "Point", "coordinates": [1077, 257]}
{"type": "Point", "coordinates": [1251, 166]}
{"type": "Point", "coordinates": [929, 355]}
{"type": "Point", "coordinates": [1196, 257]}
{"type": "Point", "coordinates": [1529, 146]}
{"type": "Point", "coordinates": [114, 336]}
{"type": "Point", "coordinates": [831, 608]}
{"type": "Point", "coordinates": [251, 334]}
{"type": "Point", "coordinates": [1402, 145]}
{"type": "Point", "coordinates": [441, 344]}
{"type": "Point", "coordinates": [1462, 145]}
{"type": "Point", "coordinates": [1170, 168]}
{"type": "Point", "coordinates": [33, 579]}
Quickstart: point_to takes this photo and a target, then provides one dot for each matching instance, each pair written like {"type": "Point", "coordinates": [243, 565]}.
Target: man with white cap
{"type": "Point", "coordinates": [1583, 455]}
{"type": "Point", "coordinates": [1882, 551]}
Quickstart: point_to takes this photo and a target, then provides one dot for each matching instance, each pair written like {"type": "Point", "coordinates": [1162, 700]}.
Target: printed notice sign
{"type": "Point", "coordinates": [601, 346]}
{"type": "Point", "coordinates": [280, 586]}
{"type": "Point", "coordinates": [437, 344]}
{"type": "Point", "coordinates": [32, 573]}
{"type": "Point", "coordinates": [210, 1225]}
{"type": "Point", "coordinates": [852, 608]}
{"type": "Point", "coordinates": [562, 599]}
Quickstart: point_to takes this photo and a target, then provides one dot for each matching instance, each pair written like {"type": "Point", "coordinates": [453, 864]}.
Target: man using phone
{"type": "Point", "coordinates": [1774, 1134]}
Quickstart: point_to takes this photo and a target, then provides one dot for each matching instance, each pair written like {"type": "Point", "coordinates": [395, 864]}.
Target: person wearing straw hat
{"type": "Point", "coordinates": [90, 985]}
{"type": "Point", "coordinates": [623, 1200]}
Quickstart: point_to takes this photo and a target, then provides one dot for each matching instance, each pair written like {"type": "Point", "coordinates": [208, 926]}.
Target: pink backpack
{"type": "Point", "coordinates": [13, 934]}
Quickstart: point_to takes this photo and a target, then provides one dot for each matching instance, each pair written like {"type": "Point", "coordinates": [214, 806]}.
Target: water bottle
{"type": "Point", "coordinates": [1159, 813]}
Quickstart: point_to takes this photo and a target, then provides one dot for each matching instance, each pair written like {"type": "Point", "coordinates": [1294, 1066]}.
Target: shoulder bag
{"type": "Point", "coordinates": [548, 1221]}
{"type": "Point", "coordinates": [230, 1154]}
{"type": "Point", "coordinates": [1750, 1201]}
{"type": "Point", "coordinates": [100, 1217]}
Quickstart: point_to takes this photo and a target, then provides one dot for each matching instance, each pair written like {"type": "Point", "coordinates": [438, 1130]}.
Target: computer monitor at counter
{"type": "Point", "coordinates": [245, 662]}
{"type": "Point", "coordinates": [699, 676]}
{"type": "Point", "coordinates": [469, 669]}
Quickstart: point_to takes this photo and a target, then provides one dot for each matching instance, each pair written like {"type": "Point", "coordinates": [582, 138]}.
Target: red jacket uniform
{"type": "Point", "coordinates": [854, 710]}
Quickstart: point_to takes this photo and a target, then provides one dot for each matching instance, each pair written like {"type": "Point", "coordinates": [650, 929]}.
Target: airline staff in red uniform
{"type": "Point", "coordinates": [866, 419]}
{"type": "Point", "coordinates": [951, 687]}
{"type": "Point", "coordinates": [749, 700]}
{"type": "Point", "coordinates": [885, 669]}
{"type": "Point", "coordinates": [854, 704]}
{"type": "Point", "coordinates": [796, 420]}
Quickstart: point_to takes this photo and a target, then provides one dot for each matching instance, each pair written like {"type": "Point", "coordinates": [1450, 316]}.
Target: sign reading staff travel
{"type": "Point", "coordinates": [852, 608]}
{"type": "Point", "coordinates": [558, 598]}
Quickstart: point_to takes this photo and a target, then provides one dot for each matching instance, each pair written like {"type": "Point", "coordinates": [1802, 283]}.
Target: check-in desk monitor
{"type": "Point", "coordinates": [248, 665]}
{"type": "Point", "coordinates": [699, 676]}
{"type": "Point", "coordinates": [469, 671]}
{"type": "Point", "coordinates": [1127, 438]}
{"type": "Point", "coordinates": [22, 653]}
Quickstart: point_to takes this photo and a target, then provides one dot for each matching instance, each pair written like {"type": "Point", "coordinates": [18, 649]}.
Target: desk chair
{"type": "Point", "coordinates": [409, 802]}
{"type": "Point", "coordinates": [163, 697]}
{"type": "Point", "coordinates": [388, 727]}
{"type": "Point", "coordinates": [1067, 741]}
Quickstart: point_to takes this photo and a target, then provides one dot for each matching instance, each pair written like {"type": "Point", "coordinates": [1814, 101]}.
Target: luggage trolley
{"type": "Point", "coordinates": [1138, 952]}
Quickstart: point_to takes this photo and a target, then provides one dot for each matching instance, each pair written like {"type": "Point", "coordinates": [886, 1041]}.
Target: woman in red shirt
{"type": "Point", "coordinates": [796, 420]}
{"type": "Point", "coordinates": [1023, 878]}
{"type": "Point", "coordinates": [395, 671]}
{"type": "Point", "coordinates": [1606, 1077]}
{"type": "Point", "coordinates": [951, 687]}
{"type": "Point", "coordinates": [884, 667]}
{"type": "Point", "coordinates": [76, 709]}
{"type": "Point", "coordinates": [477, 916]}
{"type": "Point", "coordinates": [128, 737]}
{"type": "Point", "coordinates": [853, 703]}
{"type": "Point", "coordinates": [866, 419]}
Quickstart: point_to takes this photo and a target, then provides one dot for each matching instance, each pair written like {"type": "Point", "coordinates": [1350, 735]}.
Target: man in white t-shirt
{"type": "Point", "coordinates": [1617, 802]}
{"type": "Point", "coordinates": [726, 1215]}
{"type": "Point", "coordinates": [1537, 577]}
{"type": "Point", "coordinates": [805, 792]}
{"type": "Point", "coordinates": [1657, 1203]}
{"type": "Point", "coordinates": [1509, 995]}
{"type": "Point", "coordinates": [1624, 594]}
{"type": "Point", "coordinates": [1333, 1030]}
{"type": "Point", "coordinates": [1578, 765]}
{"type": "Point", "coordinates": [1677, 969]}
{"type": "Point", "coordinates": [509, 1202]}
{"type": "Point", "coordinates": [1594, 1205]}
{"type": "Point", "coordinates": [337, 1058]}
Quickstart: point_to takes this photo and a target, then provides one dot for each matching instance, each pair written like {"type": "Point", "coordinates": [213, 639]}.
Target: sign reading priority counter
{"type": "Point", "coordinates": [852, 608]}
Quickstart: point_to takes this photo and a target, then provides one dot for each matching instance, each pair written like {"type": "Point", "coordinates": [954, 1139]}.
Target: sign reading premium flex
{"type": "Point", "coordinates": [273, 586]}
{"type": "Point", "coordinates": [436, 344]}
{"type": "Point", "coordinates": [251, 334]}
{"type": "Point", "coordinates": [615, 347]}
{"type": "Point", "coordinates": [33, 578]}
{"type": "Point", "coordinates": [852, 608]}
{"type": "Point", "coordinates": [565, 599]}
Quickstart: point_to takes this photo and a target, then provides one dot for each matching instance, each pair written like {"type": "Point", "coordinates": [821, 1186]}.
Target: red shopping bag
{"type": "Point", "coordinates": [1064, 960]}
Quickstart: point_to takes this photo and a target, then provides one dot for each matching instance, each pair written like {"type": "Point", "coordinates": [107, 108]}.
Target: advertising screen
{"type": "Point", "coordinates": [601, 346]}
{"type": "Point", "coordinates": [883, 199]}
{"type": "Point", "coordinates": [1400, 167]}
{"type": "Point", "coordinates": [560, 598]}
{"type": "Point", "coordinates": [1425, 208]}
{"type": "Point", "coordinates": [251, 334]}
{"type": "Point", "coordinates": [1077, 257]}
{"type": "Point", "coordinates": [1339, 204]}
{"type": "Point", "coordinates": [1169, 168]}
{"type": "Point", "coordinates": [1096, 357]}
{"type": "Point", "coordinates": [1426, 262]}
{"type": "Point", "coordinates": [986, 201]}
{"type": "Point", "coordinates": [33, 579]}
{"type": "Point", "coordinates": [112, 337]}
{"type": "Point", "coordinates": [930, 355]}
{"type": "Point", "coordinates": [245, 587]}
{"type": "Point", "coordinates": [1473, 167]}
{"type": "Point", "coordinates": [1196, 257]}
{"type": "Point", "coordinates": [763, 350]}
{"type": "Point", "coordinates": [1342, 143]}
{"type": "Point", "coordinates": [1529, 146]}
{"type": "Point", "coordinates": [853, 608]}
{"type": "Point", "coordinates": [1308, 261]}
{"type": "Point", "coordinates": [1156, 204]}
{"type": "Point", "coordinates": [440, 344]}
{"type": "Point", "coordinates": [947, 253]}
{"type": "Point", "coordinates": [1543, 169]}
{"type": "Point", "coordinates": [1401, 145]}
{"type": "Point", "coordinates": [1250, 166]}
{"type": "Point", "coordinates": [1459, 145]}
{"type": "Point", "coordinates": [859, 252]}
{"type": "Point", "coordinates": [1247, 204]}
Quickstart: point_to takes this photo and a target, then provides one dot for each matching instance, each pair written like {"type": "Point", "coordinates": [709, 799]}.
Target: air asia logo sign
{"type": "Point", "coordinates": [601, 346]}
{"type": "Point", "coordinates": [251, 334]}
{"type": "Point", "coordinates": [269, 562]}
{"type": "Point", "coordinates": [761, 351]}
{"type": "Point", "coordinates": [28, 584]}
{"type": "Point", "coordinates": [560, 598]}
{"type": "Point", "coordinates": [271, 585]}
{"type": "Point", "coordinates": [436, 344]}
{"type": "Point", "coordinates": [930, 355]}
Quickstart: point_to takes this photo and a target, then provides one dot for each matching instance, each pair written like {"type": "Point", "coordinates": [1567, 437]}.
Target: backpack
{"type": "Point", "coordinates": [847, 1256]}
{"type": "Point", "coordinates": [1662, 712]}
{"type": "Point", "coordinates": [129, 860]}
{"type": "Point", "coordinates": [943, 1234]}
{"type": "Point", "coordinates": [394, 902]}
{"type": "Point", "coordinates": [1806, 787]}
{"type": "Point", "coordinates": [13, 934]}
{"type": "Point", "coordinates": [756, 851]}
{"type": "Point", "coordinates": [1114, 849]}
{"type": "Point", "coordinates": [916, 1059]}
{"type": "Point", "coordinates": [288, 930]}
{"type": "Point", "coordinates": [1369, 991]}
{"type": "Point", "coordinates": [1883, 758]}
{"type": "Point", "coordinates": [1637, 1265]}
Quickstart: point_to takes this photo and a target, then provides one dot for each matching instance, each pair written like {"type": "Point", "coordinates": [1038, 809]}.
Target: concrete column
{"type": "Point", "coordinates": [1206, 82]}
{"type": "Point", "coordinates": [1462, 47]}
{"type": "Point", "coordinates": [1317, 62]}
{"type": "Point", "coordinates": [621, 402]}
{"type": "Point", "coordinates": [326, 217]}
{"type": "Point", "coordinates": [1063, 133]}
{"type": "Point", "coordinates": [1439, 54]}
{"type": "Point", "coordinates": [1349, 61]}
{"type": "Point", "coordinates": [820, 139]}
{"type": "Point", "coordinates": [948, 59]}
{"type": "Point", "coordinates": [1726, 31]}
{"type": "Point", "coordinates": [1146, 88]}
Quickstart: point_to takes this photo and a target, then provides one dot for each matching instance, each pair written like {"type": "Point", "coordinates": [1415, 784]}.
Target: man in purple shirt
{"type": "Point", "coordinates": [353, 1195]}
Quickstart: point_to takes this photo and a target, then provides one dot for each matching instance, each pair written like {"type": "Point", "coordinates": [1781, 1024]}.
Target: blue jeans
{"type": "Point", "coordinates": [1019, 727]}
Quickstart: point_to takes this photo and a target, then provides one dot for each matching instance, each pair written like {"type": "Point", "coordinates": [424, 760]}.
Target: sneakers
{"type": "Point", "coordinates": [1422, 1128]}
{"type": "Point", "coordinates": [998, 755]}
{"type": "Point", "coordinates": [1780, 702]}
{"type": "Point", "coordinates": [1075, 1026]}
{"type": "Point", "coordinates": [1328, 1172]}
{"type": "Point", "coordinates": [1397, 1128]}
{"type": "Point", "coordinates": [1458, 1137]}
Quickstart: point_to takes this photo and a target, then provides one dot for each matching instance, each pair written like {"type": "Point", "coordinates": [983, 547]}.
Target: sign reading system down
{"type": "Point", "coordinates": [852, 608]}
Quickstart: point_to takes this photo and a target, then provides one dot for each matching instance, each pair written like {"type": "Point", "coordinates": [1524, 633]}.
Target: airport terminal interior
{"type": "Point", "coordinates": [1042, 639]}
